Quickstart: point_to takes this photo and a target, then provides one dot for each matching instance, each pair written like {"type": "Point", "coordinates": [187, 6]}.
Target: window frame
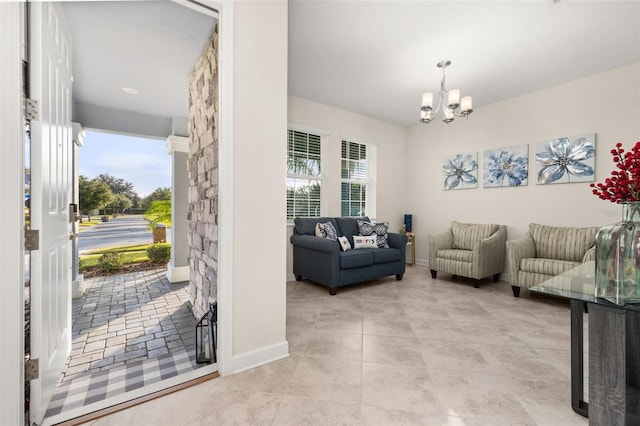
{"type": "Point", "coordinates": [322, 177]}
{"type": "Point", "coordinates": [369, 182]}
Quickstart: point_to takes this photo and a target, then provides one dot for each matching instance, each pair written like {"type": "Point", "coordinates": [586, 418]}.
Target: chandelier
{"type": "Point", "coordinates": [449, 103]}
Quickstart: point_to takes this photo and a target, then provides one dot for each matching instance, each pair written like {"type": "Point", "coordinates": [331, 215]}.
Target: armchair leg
{"type": "Point", "coordinates": [496, 277]}
{"type": "Point", "coordinates": [476, 284]}
{"type": "Point", "coordinates": [516, 291]}
{"type": "Point", "coordinates": [298, 277]}
{"type": "Point", "coordinates": [434, 273]}
{"type": "Point", "coordinates": [399, 277]}
{"type": "Point", "coordinates": [333, 291]}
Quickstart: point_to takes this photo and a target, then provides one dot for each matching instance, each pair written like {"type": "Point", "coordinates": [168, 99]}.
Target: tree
{"type": "Point", "coordinates": [120, 202]}
{"type": "Point", "coordinates": [158, 212]}
{"type": "Point", "coordinates": [119, 186]}
{"type": "Point", "coordinates": [93, 194]}
{"type": "Point", "coordinates": [159, 194]}
{"type": "Point", "coordinates": [136, 201]}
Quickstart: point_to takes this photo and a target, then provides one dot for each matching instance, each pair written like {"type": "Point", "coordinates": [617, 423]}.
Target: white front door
{"type": "Point", "coordinates": [51, 166]}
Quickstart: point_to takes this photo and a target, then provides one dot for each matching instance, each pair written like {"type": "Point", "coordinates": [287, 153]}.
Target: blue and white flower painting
{"type": "Point", "coordinates": [460, 171]}
{"type": "Point", "coordinates": [566, 159]}
{"type": "Point", "coordinates": [506, 166]}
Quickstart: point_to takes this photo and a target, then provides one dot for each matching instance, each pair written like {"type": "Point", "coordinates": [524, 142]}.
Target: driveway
{"type": "Point", "coordinates": [121, 231]}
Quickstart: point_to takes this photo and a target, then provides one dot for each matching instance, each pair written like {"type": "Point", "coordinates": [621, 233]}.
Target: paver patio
{"type": "Point", "coordinates": [122, 319]}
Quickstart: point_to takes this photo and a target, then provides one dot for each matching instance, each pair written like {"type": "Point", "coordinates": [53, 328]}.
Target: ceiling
{"type": "Point", "coordinates": [371, 57]}
{"type": "Point", "coordinates": [150, 46]}
{"type": "Point", "coordinates": [378, 57]}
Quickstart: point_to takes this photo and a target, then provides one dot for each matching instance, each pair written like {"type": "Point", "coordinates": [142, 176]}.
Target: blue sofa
{"type": "Point", "coordinates": [322, 260]}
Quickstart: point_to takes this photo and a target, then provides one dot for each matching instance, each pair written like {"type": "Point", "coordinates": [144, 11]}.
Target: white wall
{"type": "Point", "coordinates": [391, 151]}
{"type": "Point", "coordinates": [259, 204]}
{"type": "Point", "coordinates": [607, 104]}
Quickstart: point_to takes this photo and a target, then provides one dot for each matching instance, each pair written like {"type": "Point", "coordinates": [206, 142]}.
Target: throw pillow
{"type": "Point", "coordinates": [344, 243]}
{"type": "Point", "coordinates": [327, 230]}
{"type": "Point", "coordinates": [376, 228]}
{"type": "Point", "coordinates": [360, 241]}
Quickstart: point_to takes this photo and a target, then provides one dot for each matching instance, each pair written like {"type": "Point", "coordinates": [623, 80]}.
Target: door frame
{"type": "Point", "coordinates": [12, 214]}
{"type": "Point", "coordinates": [225, 187]}
{"type": "Point", "coordinates": [12, 194]}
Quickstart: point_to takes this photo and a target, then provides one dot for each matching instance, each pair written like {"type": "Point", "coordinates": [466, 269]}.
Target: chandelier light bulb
{"type": "Point", "coordinates": [454, 99]}
{"type": "Point", "coordinates": [425, 116]}
{"type": "Point", "coordinates": [448, 115]}
{"type": "Point", "coordinates": [466, 105]}
{"type": "Point", "coordinates": [427, 101]}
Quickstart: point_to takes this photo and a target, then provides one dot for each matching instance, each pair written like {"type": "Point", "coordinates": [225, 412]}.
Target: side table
{"type": "Point", "coordinates": [412, 249]}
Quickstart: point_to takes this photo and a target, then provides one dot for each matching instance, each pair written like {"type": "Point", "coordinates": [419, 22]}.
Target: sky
{"type": "Point", "coordinates": [143, 162]}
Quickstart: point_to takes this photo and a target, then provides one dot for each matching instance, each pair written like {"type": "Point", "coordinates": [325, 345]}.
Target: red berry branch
{"type": "Point", "coordinates": [624, 183]}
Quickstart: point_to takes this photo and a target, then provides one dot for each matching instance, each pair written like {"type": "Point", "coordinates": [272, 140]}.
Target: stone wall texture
{"type": "Point", "coordinates": [203, 178]}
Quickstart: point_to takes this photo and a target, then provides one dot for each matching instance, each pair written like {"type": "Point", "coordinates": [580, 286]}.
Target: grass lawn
{"type": "Point", "coordinates": [132, 254]}
{"type": "Point", "coordinates": [88, 223]}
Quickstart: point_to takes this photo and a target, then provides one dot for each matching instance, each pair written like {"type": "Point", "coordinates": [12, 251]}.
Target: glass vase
{"type": "Point", "coordinates": [618, 258]}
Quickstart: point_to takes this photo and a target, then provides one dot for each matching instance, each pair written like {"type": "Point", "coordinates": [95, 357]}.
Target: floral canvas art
{"type": "Point", "coordinates": [460, 171]}
{"type": "Point", "coordinates": [566, 159]}
{"type": "Point", "coordinates": [506, 166]}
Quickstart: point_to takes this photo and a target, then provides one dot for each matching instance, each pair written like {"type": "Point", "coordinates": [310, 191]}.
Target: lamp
{"type": "Point", "coordinates": [450, 103]}
{"type": "Point", "coordinates": [206, 331]}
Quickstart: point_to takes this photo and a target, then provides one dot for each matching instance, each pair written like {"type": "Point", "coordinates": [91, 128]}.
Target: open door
{"type": "Point", "coordinates": [51, 185]}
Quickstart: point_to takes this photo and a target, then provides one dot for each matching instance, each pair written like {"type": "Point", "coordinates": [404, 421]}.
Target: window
{"type": "Point", "coordinates": [358, 179]}
{"type": "Point", "coordinates": [304, 175]}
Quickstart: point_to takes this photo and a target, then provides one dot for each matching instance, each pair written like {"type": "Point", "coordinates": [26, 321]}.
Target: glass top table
{"type": "Point", "coordinates": [614, 339]}
{"type": "Point", "coordinates": [579, 284]}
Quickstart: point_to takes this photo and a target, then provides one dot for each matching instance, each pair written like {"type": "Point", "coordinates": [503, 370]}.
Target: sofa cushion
{"type": "Point", "coordinates": [562, 243]}
{"type": "Point", "coordinates": [466, 235]}
{"type": "Point", "coordinates": [384, 255]}
{"type": "Point", "coordinates": [348, 226]}
{"type": "Point", "coordinates": [457, 255]}
{"type": "Point", "coordinates": [307, 225]}
{"type": "Point", "coordinates": [355, 258]}
{"type": "Point", "coordinates": [546, 266]}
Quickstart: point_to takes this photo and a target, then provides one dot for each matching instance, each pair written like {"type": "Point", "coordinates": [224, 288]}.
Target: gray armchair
{"type": "Point", "coordinates": [469, 250]}
{"type": "Point", "coordinates": [547, 251]}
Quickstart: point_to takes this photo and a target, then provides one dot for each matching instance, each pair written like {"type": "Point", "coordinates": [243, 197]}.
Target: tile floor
{"type": "Point", "coordinates": [415, 352]}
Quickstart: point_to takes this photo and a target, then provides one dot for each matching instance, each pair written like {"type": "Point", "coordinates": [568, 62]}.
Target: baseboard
{"type": "Point", "coordinates": [291, 277]}
{"type": "Point", "coordinates": [176, 274]}
{"type": "Point", "coordinates": [77, 287]}
{"type": "Point", "coordinates": [260, 356]}
{"type": "Point", "coordinates": [422, 262]}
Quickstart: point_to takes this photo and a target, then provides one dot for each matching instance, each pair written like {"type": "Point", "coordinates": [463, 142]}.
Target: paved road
{"type": "Point", "coordinates": [124, 230]}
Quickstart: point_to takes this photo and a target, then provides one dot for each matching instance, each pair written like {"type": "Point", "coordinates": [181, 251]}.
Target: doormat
{"type": "Point", "coordinates": [92, 388]}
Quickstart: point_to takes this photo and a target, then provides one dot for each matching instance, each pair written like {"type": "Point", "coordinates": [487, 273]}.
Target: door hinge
{"type": "Point", "coordinates": [31, 109]}
{"type": "Point", "coordinates": [31, 369]}
{"type": "Point", "coordinates": [32, 239]}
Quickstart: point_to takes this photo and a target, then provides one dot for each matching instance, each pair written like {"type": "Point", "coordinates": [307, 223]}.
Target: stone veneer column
{"type": "Point", "coordinates": [178, 268]}
{"type": "Point", "coordinates": [203, 178]}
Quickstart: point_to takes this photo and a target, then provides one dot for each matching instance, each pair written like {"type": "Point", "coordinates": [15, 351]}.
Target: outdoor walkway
{"type": "Point", "coordinates": [129, 331]}
{"type": "Point", "coordinates": [126, 318]}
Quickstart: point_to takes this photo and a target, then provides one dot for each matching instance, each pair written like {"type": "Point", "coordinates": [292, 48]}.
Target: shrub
{"type": "Point", "coordinates": [82, 264]}
{"type": "Point", "coordinates": [111, 261]}
{"type": "Point", "coordinates": [159, 253]}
